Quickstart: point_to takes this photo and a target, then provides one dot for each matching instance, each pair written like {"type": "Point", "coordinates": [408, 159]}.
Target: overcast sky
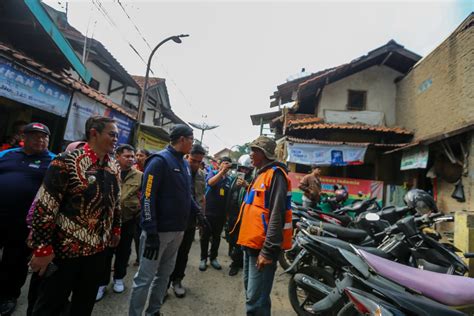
{"type": "Point", "coordinates": [238, 52]}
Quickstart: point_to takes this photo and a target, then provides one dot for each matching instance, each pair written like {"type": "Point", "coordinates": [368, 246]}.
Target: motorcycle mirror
{"type": "Point", "coordinates": [372, 217]}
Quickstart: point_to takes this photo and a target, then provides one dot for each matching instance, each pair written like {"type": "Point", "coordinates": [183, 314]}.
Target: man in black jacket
{"type": "Point", "coordinates": [167, 204]}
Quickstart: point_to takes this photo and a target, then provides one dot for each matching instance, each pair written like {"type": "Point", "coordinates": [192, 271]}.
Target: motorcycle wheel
{"type": "Point", "coordinates": [301, 300]}
{"type": "Point", "coordinates": [286, 259]}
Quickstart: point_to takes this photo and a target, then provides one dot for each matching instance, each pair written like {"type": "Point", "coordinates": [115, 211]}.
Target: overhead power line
{"type": "Point", "coordinates": [134, 24]}
{"type": "Point", "coordinates": [109, 19]}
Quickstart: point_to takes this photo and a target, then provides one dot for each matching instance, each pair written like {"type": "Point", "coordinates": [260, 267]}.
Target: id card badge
{"type": "Point", "coordinates": [221, 192]}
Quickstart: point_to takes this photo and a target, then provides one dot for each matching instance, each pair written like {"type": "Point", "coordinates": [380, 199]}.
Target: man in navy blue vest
{"type": "Point", "coordinates": [167, 204]}
{"type": "Point", "coordinates": [21, 172]}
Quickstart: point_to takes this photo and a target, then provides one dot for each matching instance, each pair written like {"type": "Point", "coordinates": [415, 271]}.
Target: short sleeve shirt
{"type": "Point", "coordinates": [216, 195]}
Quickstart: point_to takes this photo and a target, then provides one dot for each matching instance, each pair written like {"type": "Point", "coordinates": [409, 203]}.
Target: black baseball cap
{"type": "Point", "coordinates": [180, 130]}
{"type": "Point", "coordinates": [36, 127]}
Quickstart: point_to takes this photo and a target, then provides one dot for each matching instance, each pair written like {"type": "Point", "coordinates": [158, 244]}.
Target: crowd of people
{"type": "Point", "coordinates": [70, 216]}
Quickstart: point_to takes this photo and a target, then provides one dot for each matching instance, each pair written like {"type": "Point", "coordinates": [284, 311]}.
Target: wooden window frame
{"type": "Point", "coordinates": [364, 107]}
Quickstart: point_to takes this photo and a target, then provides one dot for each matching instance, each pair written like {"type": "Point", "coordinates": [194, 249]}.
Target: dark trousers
{"type": "Point", "coordinates": [213, 236]}
{"type": "Point", "coordinates": [14, 258]}
{"type": "Point", "coordinates": [33, 293]}
{"type": "Point", "coordinates": [235, 251]}
{"type": "Point", "coordinates": [122, 253]}
{"type": "Point", "coordinates": [136, 239]}
{"type": "Point", "coordinates": [81, 276]}
{"type": "Point", "coordinates": [183, 253]}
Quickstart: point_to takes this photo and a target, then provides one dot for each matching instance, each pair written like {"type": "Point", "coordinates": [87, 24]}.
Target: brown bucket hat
{"type": "Point", "coordinates": [267, 145]}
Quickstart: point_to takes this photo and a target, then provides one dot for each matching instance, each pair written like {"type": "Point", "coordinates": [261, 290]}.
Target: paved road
{"type": "Point", "coordinates": [209, 293]}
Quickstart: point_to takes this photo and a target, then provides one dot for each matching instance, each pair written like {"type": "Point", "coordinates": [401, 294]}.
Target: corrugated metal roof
{"type": "Point", "coordinates": [64, 79]}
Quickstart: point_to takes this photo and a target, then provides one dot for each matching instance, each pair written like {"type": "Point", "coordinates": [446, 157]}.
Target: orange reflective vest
{"type": "Point", "coordinates": [255, 214]}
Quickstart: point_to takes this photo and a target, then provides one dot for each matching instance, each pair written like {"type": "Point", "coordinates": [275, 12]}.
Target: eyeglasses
{"type": "Point", "coordinates": [195, 160]}
{"type": "Point", "coordinates": [113, 134]}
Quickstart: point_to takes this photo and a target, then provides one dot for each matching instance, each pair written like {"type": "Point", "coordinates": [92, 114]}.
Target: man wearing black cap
{"type": "Point", "coordinates": [167, 204]}
{"type": "Point", "coordinates": [21, 172]}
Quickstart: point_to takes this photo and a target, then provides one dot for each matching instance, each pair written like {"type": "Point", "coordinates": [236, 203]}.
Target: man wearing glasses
{"type": "Point", "coordinates": [167, 204]}
{"type": "Point", "coordinates": [76, 217]}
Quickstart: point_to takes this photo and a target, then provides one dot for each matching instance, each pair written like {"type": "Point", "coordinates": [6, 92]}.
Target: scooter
{"type": "Point", "coordinates": [360, 231]}
{"type": "Point", "coordinates": [411, 292]}
{"type": "Point", "coordinates": [323, 264]}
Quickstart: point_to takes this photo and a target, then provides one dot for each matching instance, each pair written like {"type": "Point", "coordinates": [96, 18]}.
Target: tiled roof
{"type": "Point", "coordinates": [64, 79]}
{"type": "Point", "coordinates": [152, 81]}
{"type": "Point", "coordinates": [297, 119]}
{"type": "Point", "coordinates": [361, 127]}
{"type": "Point", "coordinates": [334, 143]}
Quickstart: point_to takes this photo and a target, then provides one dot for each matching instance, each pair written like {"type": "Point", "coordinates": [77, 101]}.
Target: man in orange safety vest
{"type": "Point", "coordinates": [265, 225]}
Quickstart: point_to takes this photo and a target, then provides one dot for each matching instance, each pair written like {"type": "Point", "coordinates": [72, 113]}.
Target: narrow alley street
{"type": "Point", "coordinates": [209, 293]}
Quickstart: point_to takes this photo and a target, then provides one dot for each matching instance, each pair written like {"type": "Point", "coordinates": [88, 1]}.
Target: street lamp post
{"type": "Point", "coordinates": [176, 39]}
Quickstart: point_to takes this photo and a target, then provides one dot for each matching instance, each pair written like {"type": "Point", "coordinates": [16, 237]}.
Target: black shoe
{"type": "Point", "coordinates": [233, 270]}
{"type": "Point", "coordinates": [7, 307]}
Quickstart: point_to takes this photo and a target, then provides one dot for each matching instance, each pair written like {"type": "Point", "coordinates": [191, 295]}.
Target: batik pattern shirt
{"type": "Point", "coordinates": [78, 206]}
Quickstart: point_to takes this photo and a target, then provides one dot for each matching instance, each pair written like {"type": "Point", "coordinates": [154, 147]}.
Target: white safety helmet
{"type": "Point", "coordinates": [244, 161]}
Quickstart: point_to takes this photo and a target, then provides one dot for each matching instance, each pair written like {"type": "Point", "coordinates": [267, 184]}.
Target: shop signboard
{"type": "Point", "coordinates": [150, 142]}
{"type": "Point", "coordinates": [326, 155]}
{"type": "Point", "coordinates": [415, 158]}
{"type": "Point", "coordinates": [357, 188]}
{"type": "Point", "coordinates": [83, 107]}
{"type": "Point", "coordinates": [21, 85]}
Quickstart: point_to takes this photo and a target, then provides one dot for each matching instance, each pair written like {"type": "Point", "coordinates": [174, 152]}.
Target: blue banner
{"type": "Point", "coordinates": [124, 124]}
{"type": "Point", "coordinates": [19, 84]}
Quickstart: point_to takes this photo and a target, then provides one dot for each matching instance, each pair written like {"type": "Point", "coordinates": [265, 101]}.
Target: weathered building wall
{"type": "Point", "coordinates": [438, 94]}
{"type": "Point", "coordinates": [378, 81]}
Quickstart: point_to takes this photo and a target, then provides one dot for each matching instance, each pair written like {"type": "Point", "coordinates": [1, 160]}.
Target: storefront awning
{"type": "Point", "coordinates": [52, 30]}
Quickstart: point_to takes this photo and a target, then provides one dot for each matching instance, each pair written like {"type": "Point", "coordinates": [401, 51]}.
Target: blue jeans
{"type": "Point", "coordinates": [258, 286]}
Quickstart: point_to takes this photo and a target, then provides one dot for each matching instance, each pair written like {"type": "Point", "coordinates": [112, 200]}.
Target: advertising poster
{"type": "Point", "coordinates": [368, 188]}
{"type": "Point", "coordinates": [149, 142]}
{"type": "Point", "coordinates": [324, 155]}
{"type": "Point", "coordinates": [83, 107]}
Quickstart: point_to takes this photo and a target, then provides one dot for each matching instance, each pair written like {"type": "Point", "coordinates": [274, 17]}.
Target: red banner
{"type": "Point", "coordinates": [368, 188]}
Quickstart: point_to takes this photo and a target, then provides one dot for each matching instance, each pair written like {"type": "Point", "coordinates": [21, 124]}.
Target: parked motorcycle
{"type": "Point", "coordinates": [323, 264]}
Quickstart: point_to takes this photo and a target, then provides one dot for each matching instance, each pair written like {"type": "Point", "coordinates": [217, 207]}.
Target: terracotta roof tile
{"type": "Point", "coordinates": [303, 120]}
{"type": "Point", "coordinates": [67, 80]}
{"type": "Point", "coordinates": [152, 81]}
{"type": "Point", "coordinates": [362, 127]}
{"type": "Point", "coordinates": [333, 143]}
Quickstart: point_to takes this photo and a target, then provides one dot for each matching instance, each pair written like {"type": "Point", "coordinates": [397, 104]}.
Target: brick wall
{"type": "Point", "coordinates": [438, 94]}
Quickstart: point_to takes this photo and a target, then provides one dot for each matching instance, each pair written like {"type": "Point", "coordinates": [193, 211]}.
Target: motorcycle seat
{"type": "Point", "coordinates": [451, 290]}
{"type": "Point", "coordinates": [347, 246]}
{"type": "Point", "coordinates": [347, 234]}
{"type": "Point", "coordinates": [343, 219]}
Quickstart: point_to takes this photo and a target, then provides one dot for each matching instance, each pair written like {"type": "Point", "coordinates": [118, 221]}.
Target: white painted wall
{"type": "Point", "coordinates": [134, 99]}
{"type": "Point", "coordinates": [116, 96]}
{"type": "Point", "coordinates": [99, 75]}
{"type": "Point", "coordinates": [378, 81]}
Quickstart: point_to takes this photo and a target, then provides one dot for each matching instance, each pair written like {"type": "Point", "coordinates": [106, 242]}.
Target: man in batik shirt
{"type": "Point", "coordinates": [76, 217]}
